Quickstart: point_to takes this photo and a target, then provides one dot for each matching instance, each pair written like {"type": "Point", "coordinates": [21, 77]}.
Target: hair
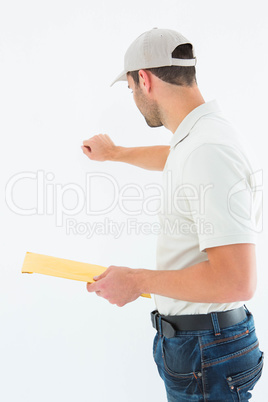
{"type": "Point", "coordinates": [176, 75]}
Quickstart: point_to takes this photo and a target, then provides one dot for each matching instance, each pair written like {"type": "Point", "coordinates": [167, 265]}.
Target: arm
{"type": "Point", "coordinates": [229, 275]}
{"type": "Point", "coordinates": [101, 148]}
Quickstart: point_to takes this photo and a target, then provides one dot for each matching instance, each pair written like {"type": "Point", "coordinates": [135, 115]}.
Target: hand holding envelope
{"type": "Point", "coordinates": [119, 285]}
{"type": "Point", "coordinates": [80, 271]}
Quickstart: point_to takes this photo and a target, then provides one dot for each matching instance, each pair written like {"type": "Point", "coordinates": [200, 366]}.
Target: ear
{"type": "Point", "coordinates": [145, 80]}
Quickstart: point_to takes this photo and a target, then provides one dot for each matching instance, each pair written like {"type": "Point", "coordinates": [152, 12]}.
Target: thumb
{"type": "Point", "coordinates": [101, 276]}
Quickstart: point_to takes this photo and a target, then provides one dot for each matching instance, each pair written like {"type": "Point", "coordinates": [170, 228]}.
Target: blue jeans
{"type": "Point", "coordinates": [203, 366]}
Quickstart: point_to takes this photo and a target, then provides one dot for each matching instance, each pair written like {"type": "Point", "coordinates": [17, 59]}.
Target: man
{"type": "Point", "coordinates": [206, 347]}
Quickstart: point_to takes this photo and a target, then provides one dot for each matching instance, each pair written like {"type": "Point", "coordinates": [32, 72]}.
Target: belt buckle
{"type": "Point", "coordinates": [168, 329]}
{"type": "Point", "coordinates": [154, 317]}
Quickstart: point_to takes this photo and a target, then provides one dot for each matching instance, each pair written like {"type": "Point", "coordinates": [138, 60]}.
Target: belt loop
{"type": "Point", "coordinates": [216, 325]}
{"type": "Point", "coordinates": [160, 325]}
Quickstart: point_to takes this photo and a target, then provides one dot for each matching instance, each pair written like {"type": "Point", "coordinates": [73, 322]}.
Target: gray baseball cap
{"type": "Point", "coordinates": [154, 49]}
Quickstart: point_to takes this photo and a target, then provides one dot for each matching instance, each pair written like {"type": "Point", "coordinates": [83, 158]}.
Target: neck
{"type": "Point", "coordinates": [176, 103]}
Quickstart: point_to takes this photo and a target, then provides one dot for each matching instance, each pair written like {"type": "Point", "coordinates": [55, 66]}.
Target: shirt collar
{"type": "Point", "coordinates": [190, 120]}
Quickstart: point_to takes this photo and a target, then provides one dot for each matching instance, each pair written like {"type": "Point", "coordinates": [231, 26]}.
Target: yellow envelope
{"type": "Point", "coordinates": [62, 268]}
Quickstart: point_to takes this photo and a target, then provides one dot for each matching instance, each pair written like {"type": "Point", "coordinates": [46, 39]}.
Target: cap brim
{"type": "Point", "coordinates": [121, 77]}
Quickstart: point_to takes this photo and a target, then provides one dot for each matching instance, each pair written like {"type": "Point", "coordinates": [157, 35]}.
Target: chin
{"type": "Point", "coordinates": [154, 125]}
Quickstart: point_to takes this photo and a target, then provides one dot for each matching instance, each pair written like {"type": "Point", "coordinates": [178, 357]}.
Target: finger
{"type": "Point", "coordinates": [86, 147]}
{"type": "Point", "coordinates": [87, 151]}
{"type": "Point", "coordinates": [93, 287]}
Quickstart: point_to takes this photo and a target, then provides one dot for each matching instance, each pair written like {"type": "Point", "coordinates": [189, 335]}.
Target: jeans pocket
{"type": "Point", "coordinates": [240, 384]}
{"type": "Point", "coordinates": [181, 365]}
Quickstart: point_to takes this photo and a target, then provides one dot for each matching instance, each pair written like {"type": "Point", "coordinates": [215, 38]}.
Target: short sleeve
{"type": "Point", "coordinates": [221, 199]}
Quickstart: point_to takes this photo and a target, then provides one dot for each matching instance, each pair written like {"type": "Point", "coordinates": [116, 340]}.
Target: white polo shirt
{"type": "Point", "coordinates": [212, 186]}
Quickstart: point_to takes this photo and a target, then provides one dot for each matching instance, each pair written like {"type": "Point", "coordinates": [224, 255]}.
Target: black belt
{"type": "Point", "coordinates": [195, 322]}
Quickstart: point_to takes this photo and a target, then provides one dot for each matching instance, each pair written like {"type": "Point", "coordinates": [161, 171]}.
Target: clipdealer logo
{"type": "Point", "coordinates": [102, 194]}
{"type": "Point", "coordinates": [132, 199]}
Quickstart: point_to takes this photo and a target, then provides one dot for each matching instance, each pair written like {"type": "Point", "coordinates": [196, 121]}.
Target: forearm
{"type": "Point", "coordinates": [150, 157]}
{"type": "Point", "coordinates": [199, 283]}
{"type": "Point", "coordinates": [229, 275]}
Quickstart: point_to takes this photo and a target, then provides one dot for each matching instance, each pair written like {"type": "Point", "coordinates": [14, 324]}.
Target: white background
{"type": "Point", "coordinates": [57, 60]}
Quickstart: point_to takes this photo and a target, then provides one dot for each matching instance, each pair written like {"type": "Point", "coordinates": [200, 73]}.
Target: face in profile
{"type": "Point", "coordinates": [148, 107]}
